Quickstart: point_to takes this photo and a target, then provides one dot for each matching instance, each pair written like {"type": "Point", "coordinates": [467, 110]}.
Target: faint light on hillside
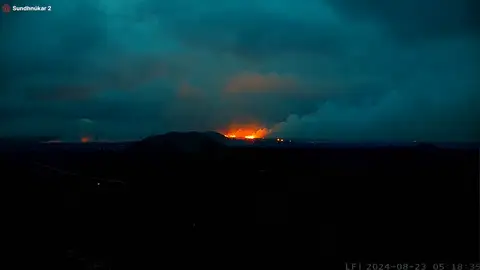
{"type": "Point", "coordinates": [53, 141]}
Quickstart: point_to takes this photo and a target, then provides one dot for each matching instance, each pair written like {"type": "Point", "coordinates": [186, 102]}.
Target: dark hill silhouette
{"type": "Point", "coordinates": [427, 146]}
{"type": "Point", "coordinates": [181, 143]}
{"type": "Point", "coordinates": [395, 204]}
{"type": "Point", "coordinates": [216, 136]}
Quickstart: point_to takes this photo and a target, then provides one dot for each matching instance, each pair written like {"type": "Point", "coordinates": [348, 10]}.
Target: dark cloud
{"type": "Point", "coordinates": [412, 20]}
{"type": "Point", "coordinates": [257, 34]}
{"type": "Point", "coordinates": [326, 69]}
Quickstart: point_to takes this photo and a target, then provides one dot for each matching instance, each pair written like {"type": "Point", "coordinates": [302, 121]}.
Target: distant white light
{"type": "Point", "coordinates": [98, 184]}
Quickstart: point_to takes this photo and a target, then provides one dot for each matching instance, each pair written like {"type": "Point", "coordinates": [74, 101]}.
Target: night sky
{"type": "Point", "coordinates": [328, 69]}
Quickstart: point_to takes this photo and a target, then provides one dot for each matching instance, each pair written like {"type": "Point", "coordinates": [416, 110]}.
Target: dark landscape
{"type": "Point", "coordinates": [119, 206]}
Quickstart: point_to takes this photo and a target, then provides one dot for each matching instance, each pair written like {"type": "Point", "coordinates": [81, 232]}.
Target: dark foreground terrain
{"type": "Point", "coordinates": [135, 208]}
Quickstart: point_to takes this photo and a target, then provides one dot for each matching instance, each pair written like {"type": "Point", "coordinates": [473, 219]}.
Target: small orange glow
{"type": "Point", "coordinates": [85, 139]}
{"type": "Point", "coordinates": [248, 132]}
{"type": "Point", "coordinates": [279, 140]}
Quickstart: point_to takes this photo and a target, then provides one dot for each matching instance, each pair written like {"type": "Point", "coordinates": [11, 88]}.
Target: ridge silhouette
{"type": "Point", "coordinates": [402, 203]}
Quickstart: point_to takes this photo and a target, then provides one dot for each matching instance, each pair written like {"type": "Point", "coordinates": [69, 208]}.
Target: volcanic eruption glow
{"type": "Point", "coordinates": [249, 133]}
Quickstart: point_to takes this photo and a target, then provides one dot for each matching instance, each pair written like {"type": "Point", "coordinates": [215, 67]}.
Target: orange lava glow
{"type": "Point", "coordinates": [248, 133]}
{"type": "Point", "coordinates": [85, 139]}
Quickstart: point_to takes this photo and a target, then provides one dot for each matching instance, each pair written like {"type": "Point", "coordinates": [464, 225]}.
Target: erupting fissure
{"type": "Point", "coordinates": [246, 133]}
